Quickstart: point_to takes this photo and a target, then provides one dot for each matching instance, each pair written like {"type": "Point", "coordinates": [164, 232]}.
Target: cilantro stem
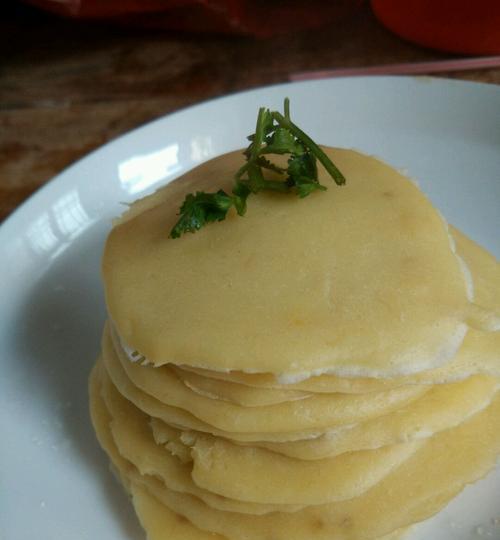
{"type": "Point", "coordinates": [242, 170]}
{"type": "Point", "coordinates": [276, 185]}
{"type": "Point", "coordinates": [259, 134]}
{"type": "Point", "coordinates": [287, 108]}
{"type": "Point", "coordinates": [286, 123]}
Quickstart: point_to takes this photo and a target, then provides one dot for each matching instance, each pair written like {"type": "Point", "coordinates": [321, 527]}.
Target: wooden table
{"type": "Point", "coordinates": [67, 87]}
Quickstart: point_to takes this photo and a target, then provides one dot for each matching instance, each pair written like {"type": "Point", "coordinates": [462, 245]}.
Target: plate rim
{"type": "Point", "coordinates": [60, 177]}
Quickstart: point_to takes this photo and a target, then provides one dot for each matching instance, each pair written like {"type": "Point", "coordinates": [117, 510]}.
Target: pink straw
{"type": "Point", "coordinates": [411, 68]}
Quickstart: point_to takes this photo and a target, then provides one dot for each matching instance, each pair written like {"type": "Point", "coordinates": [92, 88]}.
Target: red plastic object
{"type": "Point", "coordinates": [259, 18]}
{"type": "Point", "coordinates": [462, 26]}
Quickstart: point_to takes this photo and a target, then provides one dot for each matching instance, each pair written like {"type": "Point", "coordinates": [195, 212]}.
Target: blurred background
{"type": "Point", "coordinates": [76, 73]}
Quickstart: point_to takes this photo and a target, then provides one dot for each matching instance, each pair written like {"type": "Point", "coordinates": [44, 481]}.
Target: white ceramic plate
{"type": "Point", "coordinates": [54, 480]}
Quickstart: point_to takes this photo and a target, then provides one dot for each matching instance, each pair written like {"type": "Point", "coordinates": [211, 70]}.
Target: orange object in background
{"type": "Point", "coordinates": [462, 26]}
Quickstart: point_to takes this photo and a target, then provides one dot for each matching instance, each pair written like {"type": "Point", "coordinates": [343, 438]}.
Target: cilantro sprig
{"type": "Point", "coordinates": [275, 133]}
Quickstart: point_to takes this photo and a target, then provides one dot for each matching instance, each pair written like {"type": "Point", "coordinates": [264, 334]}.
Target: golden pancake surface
{"type": "Point", "coordinates": [280, 290]}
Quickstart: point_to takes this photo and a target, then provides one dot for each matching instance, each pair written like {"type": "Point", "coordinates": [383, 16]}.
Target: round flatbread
{"type": "Point", "coordinates": [279, 290]}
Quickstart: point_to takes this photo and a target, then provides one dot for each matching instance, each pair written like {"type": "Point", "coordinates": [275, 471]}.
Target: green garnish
{"type": "Point", "coordinates": [274, 134]}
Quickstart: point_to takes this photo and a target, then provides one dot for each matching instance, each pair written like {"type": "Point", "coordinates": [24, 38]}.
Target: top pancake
{"type": "Point", "coordinates": [357, 280]}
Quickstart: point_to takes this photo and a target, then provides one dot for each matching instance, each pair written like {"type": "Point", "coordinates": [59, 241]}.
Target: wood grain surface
{"type": "Point", "coordinates": [67, 87]}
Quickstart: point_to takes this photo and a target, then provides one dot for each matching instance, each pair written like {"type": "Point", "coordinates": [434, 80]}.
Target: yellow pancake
{"type": "Point", "coordinates": [288, 481]}
{"type": "Point", "coordinates": [160, 523]}
{"type": "Point", "coordinates": [276, 291]}
{"type": "Point", "coordinates": [416, 490]}
{"type": "Point", "coordinates": [163, 524]}
{"type": "Point", "coordinates": [308, 525]}
{"type": "Point", "coordinates": [134, 441]}
{"type": "Point", "coordinates": [479, 354]}
{"type": "Point", "coordinates": [486, 277]}
{"type": "Point", "coordinates": [317, 412]}
{"type": "Point", "coordinates": [445, 406]}
{"type": "Point", "coordinates": [237, 473]}
{"type": "Point", "coordinates": [323, 384]}
{"type": "Point", "coordinates": [157, 518]}
{"type": "Point", "coordinates": [238, 394]}
{"type": "Point", "coordinates": [177, 442]}
{"type": "Point", "coordinates": [259, 476]}
{"type": "Point", "coordinates": [101, 420]}
{"type": "Point", "coordinates": [181, 419]}
{"type": "Point", "coordinates": [160, 516]}
{"type": "Point", "coordinates": [419, 488]}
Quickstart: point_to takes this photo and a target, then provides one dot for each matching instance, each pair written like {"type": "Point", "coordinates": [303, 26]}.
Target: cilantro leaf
{"type": "Point", "coordinates": [303, 165]}
{"type": "Point", "coordinates": [282, 141]}
{"type": "Point", "coordinates": [304, 187]}
{"type": "Point", "coordinates": [274, 134]}
{"type": "Point", "coordinates": [241, 191]}
{"type": "Point", "coordinates": [266, 164]}
{"type": "Point", "coordinates": [200, 209]}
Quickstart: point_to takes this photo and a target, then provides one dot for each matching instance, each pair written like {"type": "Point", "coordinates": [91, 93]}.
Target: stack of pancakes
{"type": "Point", "coordinates": [324, 369]}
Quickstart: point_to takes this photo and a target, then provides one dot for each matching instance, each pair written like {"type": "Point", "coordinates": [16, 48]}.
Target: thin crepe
{"type": "Point", "coordinates": [244, 300]}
